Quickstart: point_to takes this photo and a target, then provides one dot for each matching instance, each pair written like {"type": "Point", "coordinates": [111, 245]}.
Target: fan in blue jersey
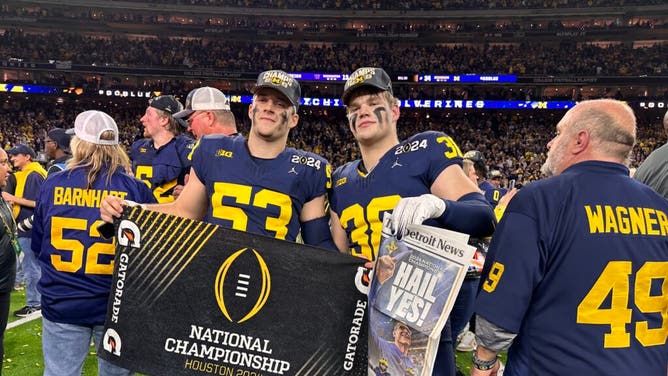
{"type": "Point", "coordinates": [161, 158]}
{"type": "Point", "coordinates": [420, 178]}
{"type": "Point", "coordinates": [257, 184]}
{"type": "Point", "coordinates": [207, 111]}
{"type": "Point", "coordinates": [575, 277]}
{"type": "Point", "coordinates": [77, 263]}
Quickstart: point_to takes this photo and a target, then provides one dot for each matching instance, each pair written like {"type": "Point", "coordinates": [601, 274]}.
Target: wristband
{"type": "Point", "coordinates": [483, 365]}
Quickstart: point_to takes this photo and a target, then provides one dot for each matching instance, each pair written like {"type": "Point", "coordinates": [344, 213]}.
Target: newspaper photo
{"type": "Point", "coordinates": [414, 287]}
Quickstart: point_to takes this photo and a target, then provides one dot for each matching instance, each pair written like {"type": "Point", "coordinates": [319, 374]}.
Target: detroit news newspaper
{"type": "Point", "coordinates": [415, 284]}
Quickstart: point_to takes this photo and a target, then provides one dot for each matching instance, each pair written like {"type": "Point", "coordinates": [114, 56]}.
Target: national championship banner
{"type": "Point", "coordinates": [415, 284]}
{"type": "Point", "coordinates": [191, 298]}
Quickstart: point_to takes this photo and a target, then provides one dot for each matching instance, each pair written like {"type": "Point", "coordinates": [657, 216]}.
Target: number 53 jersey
{"type": "Point", "coordinates": [262, 196]}
{"type": "Point", "coordinates": [408, 169]}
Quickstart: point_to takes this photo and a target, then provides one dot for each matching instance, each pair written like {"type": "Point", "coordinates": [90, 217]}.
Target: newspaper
{"type": "Point", "coordinates": [414, 287]}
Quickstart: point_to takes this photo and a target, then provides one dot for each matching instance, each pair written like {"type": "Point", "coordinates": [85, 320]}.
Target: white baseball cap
{"type": "Point", "coordinates": [204, 99]}
{"type": "Point", "coordinates": [90, 125]}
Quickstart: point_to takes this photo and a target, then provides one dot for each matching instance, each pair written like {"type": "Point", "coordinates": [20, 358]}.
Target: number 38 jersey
{"type": "Point", "coordinates": [76, 262]}
{"type": "Point", "coordinates": [408, 169]}
{"type": "Point", "coordinates": [581, 273]}
{"type": "Point", "coordinates": [262, 196]}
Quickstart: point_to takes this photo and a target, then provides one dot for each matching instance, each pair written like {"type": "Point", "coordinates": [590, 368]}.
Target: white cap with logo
{"type": "Point", "coordinates": [90, 125]}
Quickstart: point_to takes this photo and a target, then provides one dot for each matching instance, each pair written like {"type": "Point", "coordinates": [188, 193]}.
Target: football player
{"type": "Point", "coordinates": [490, 188]}
{"type": "Point", "coordinates": [420, 179]}
{"type": "Point", "coordinates": [161, 158]}
{"type": "Point", "coordinates": [257, 184]}
{"type": "Point", "coordinates": [575, 277]}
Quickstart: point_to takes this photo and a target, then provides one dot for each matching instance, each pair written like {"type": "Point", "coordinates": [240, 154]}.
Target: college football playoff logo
{"type": "Point", "coordinates": [112, 342]}
{"type": "Point", "coordinates": [245, 278]}
{"type": "Point", "coordinates": [128, 234]}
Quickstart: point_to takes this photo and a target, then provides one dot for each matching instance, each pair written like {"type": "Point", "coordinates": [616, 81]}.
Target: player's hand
{"type": "Point", "coordinates": [10, 198]}
{"type": "Point", "coordinates": [112, 206]}
{"type": "Point", "coordinates": [415, 210]}
{"type": "Point", "coordinates": [505, 199]}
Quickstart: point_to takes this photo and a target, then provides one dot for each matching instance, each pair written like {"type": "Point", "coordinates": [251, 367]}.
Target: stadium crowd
{"type": "Point", "coordinates": [513, 142]}
{"type": "Point", "coordinates": [409, 4]}
{"type": "Point", "coordinates": [220, 53]}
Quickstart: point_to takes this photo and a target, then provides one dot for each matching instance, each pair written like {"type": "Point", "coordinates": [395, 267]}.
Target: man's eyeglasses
{"type": "Point", "coordinates": [193, 117]}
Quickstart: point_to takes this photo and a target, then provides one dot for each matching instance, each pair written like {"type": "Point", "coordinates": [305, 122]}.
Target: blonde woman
{"type": "Point", "coordinates": [76, 262]}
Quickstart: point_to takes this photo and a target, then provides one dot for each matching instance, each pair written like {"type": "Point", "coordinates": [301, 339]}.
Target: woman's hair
{"type": "Point", "coordinates": [98, 159]}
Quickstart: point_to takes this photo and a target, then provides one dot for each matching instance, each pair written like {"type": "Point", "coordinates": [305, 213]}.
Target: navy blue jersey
{"type": "Point", "coordinates": [262, 196]}
{"type": "Point", "coordinates": [578, 272]}
{"type": "Point", "coordinates": [76, 262]}
{"type": "Point", "coordinates": [164, 168]}
{"type": "Point", "coordinates": [492, 193]}
{"type": "Point", "coordinates": [408, 169]}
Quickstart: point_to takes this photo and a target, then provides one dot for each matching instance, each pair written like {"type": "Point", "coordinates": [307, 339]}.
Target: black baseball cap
{"type": "Point", "coordinates": [366, 77]}
{"type": "Point", "coordinates": [282, 82]}
{"type": "Point", "coordinates": [61, 138]}
{"type": "Point", "coordinates": [166, 103]}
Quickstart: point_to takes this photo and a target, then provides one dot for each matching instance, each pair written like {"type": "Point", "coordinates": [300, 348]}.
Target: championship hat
{"type": "Point", "coordinates": [22, 149]}
{"type": "Point", "coordinates": [282, 82]}
{"type": "Point", "coordinates": [204, 99]}
{"type": "Point", "coordinates": [60, 137]}
{"type": "Point", "coordinates": [369, 77]}
{"type": "Point", "coordinates": [166, 103]}
{"type": "Point", "coordinates": [90, 125]}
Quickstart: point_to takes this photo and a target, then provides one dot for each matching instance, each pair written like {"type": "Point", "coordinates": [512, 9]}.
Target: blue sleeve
{"type": "Point", "coordinates": [316, 232]}
{"type": "Point", "coordinates": [471, 214]}
{"type": "Point", "coordinates": [37, 225]}
{"type": "Point", "coordinates": [443, 154]}
{"type": "Point", "coordinates": [33, 183]}
{"type": "Point", "coordinates": [513, 268]}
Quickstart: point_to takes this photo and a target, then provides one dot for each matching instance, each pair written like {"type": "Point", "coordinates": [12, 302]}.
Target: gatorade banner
{"type": "Point", "coordinates": [191, 298]}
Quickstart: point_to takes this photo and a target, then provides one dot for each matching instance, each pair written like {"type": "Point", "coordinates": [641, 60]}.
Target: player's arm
{"type": "Point", "coordinates": [338, 232]}
{"type": "Point", "coordinates": [455, 202]}
{"type": "Point", "coordinates": [467, 210]}
{"type": "Point", "coordinates": [191, 203]}
{"type": "Point", "coordinates": [315, 224]}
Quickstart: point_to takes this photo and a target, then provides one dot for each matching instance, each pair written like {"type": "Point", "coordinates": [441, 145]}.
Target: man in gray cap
{"type": "Point", "coordinates": [258, 185]}
{"type": "Point", "coordinates": [207, 111]}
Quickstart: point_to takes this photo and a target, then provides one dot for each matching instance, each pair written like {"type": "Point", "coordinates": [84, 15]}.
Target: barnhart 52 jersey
{"type": "Point", "coordinates": [164, 168]}
{"type": "Point", "coordinates": [76, 262]}
{"type": "Point", "coordinates": [262, 196]}
{"type": "Point", "coordinates": [581, 274]}
{"type": "Point", "coordinates": [408, 169]}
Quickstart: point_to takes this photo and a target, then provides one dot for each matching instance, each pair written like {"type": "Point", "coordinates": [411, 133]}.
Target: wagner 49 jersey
{"type": "Point", "coordinates": [76, 262]}
{"type": "Point", "coordinates": [581, 274]}
{"type": "Point", "coordinates": [262, 196]}
{"type": "Point", "coordinates": [408, 169]}
{"type": "Point", "coordinates": [164, 168]}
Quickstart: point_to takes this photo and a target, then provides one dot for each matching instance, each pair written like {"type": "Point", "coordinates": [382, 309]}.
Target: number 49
{"type": "Point", "coordinates": [614, 280]}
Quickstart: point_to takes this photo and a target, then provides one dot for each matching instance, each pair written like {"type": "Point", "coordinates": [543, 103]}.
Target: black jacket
{"type": "Point", "coordinates": [7, 254]}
